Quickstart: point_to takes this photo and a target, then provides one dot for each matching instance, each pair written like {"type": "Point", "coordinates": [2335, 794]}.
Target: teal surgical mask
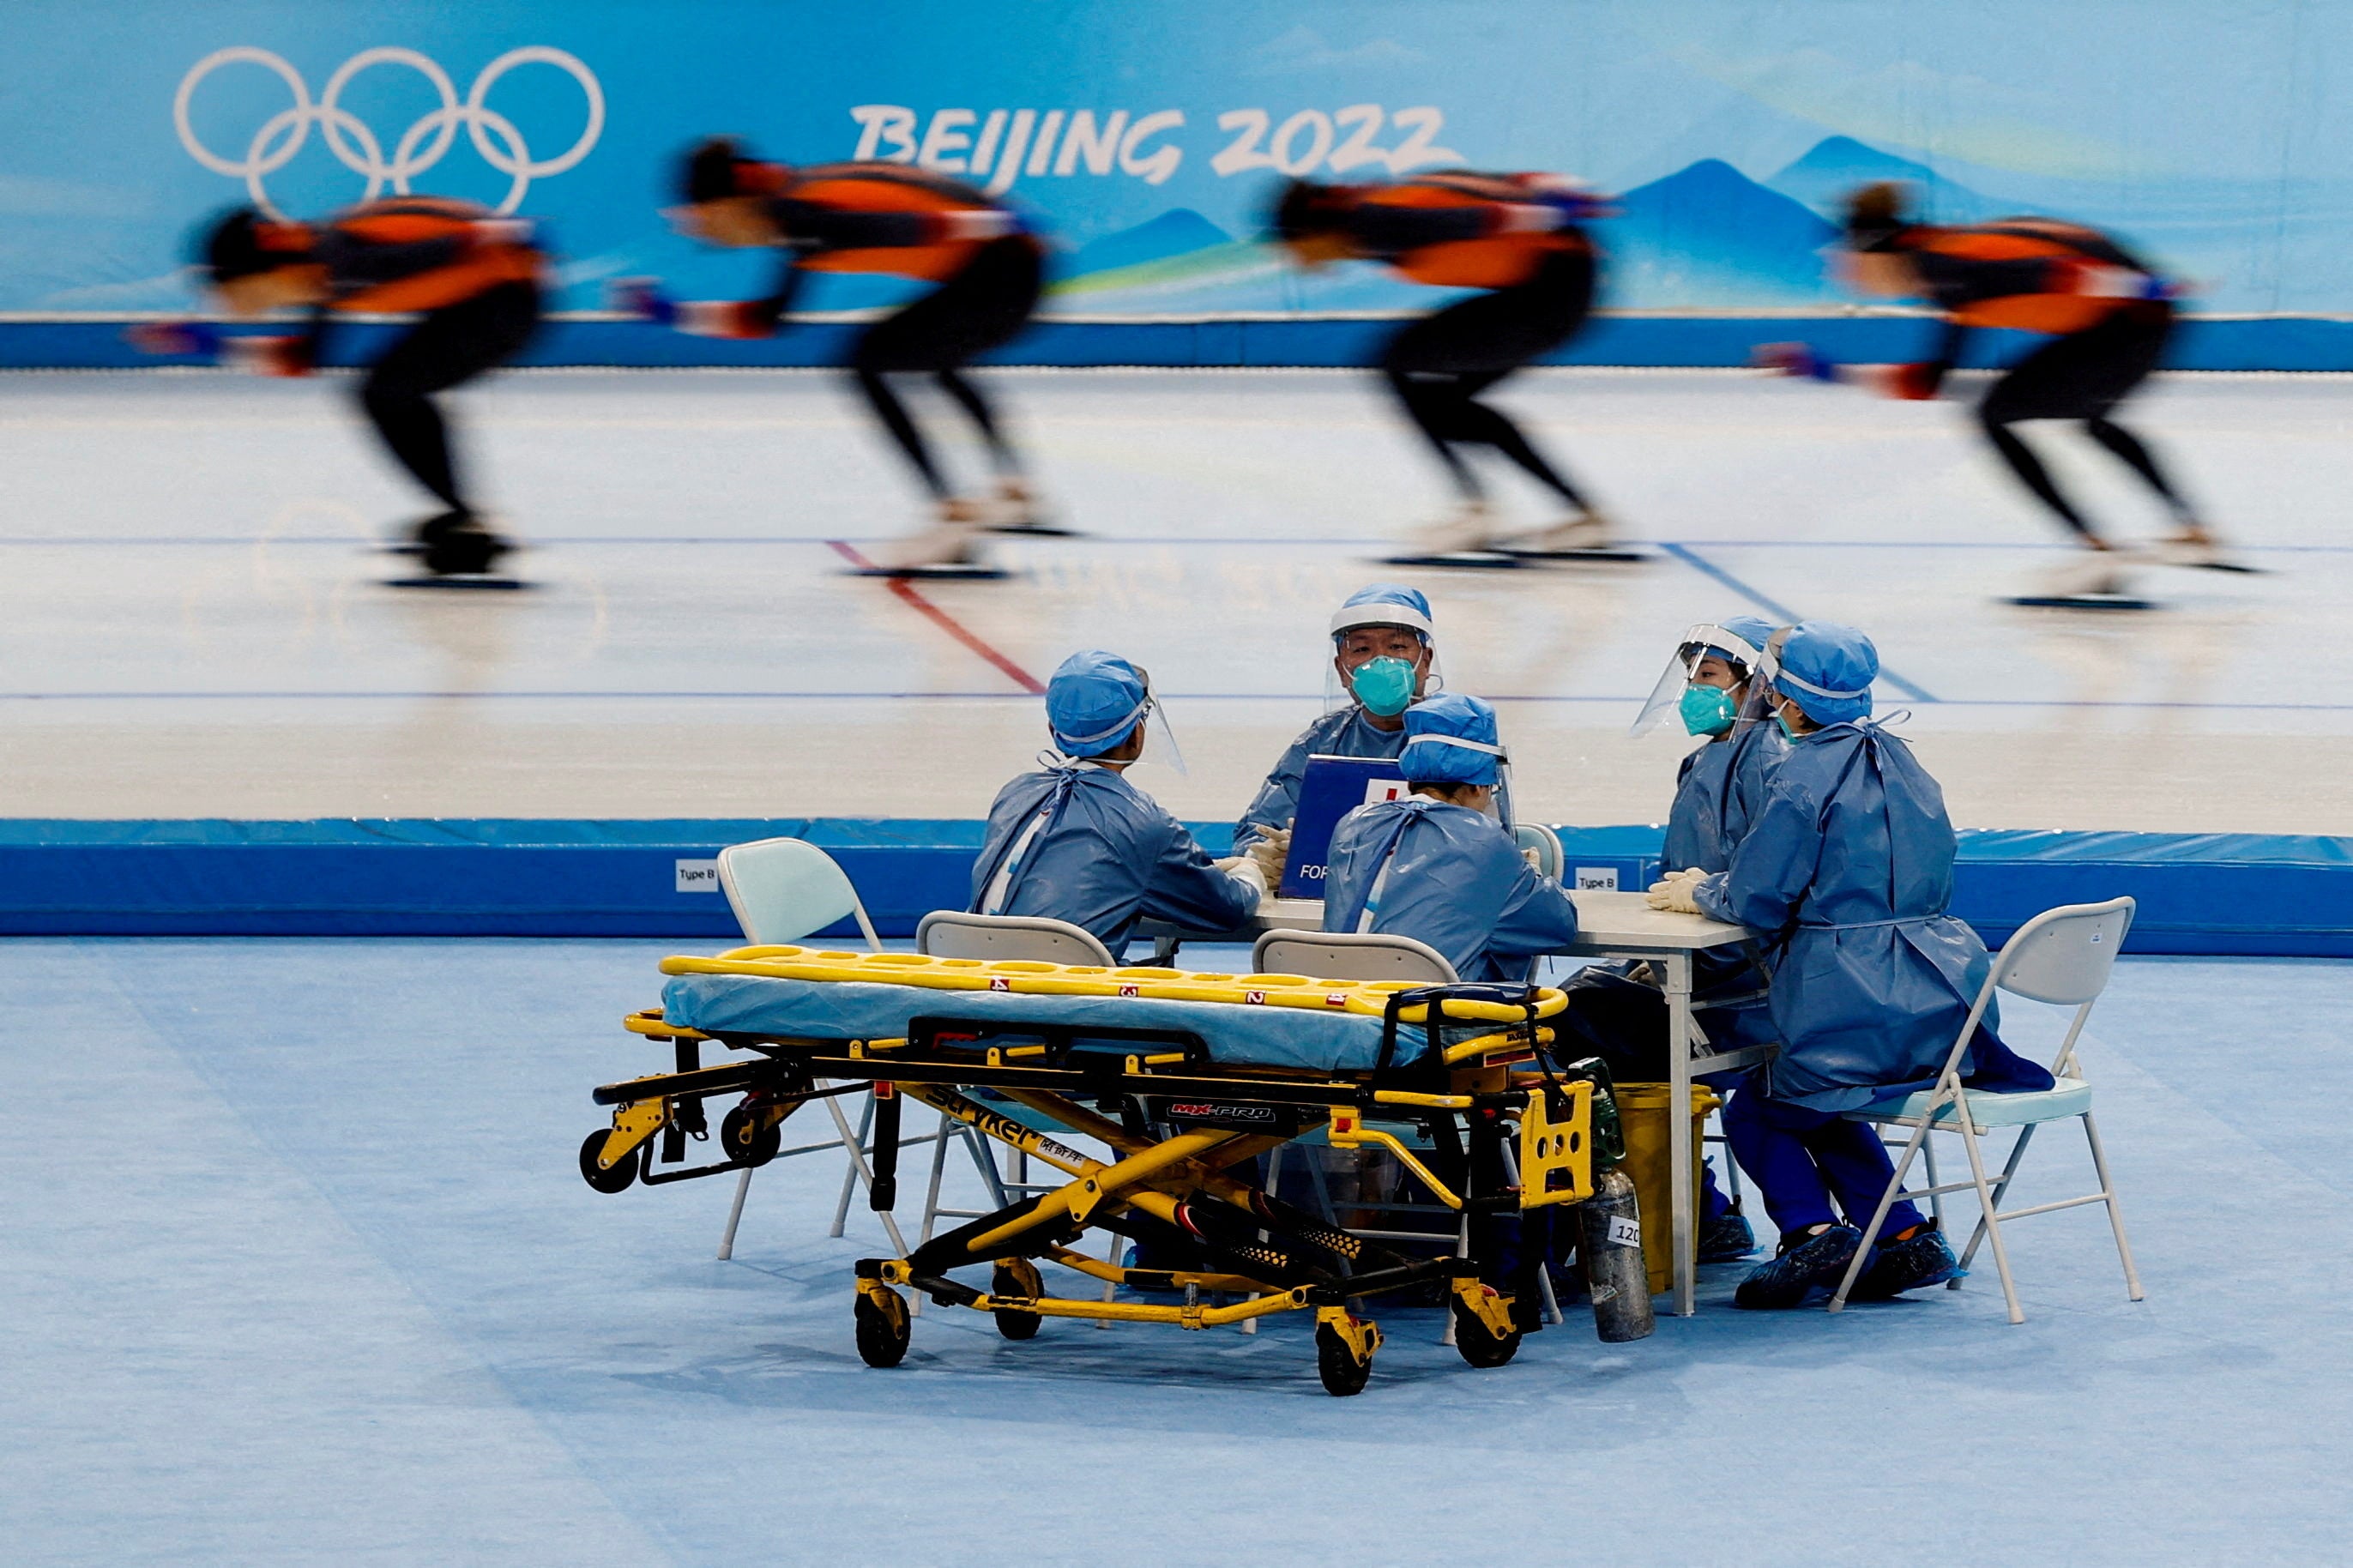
{"type": "Point", "coordinates": [1707, 710]}
{"type": "Point", "coordinates": [1786, 728]}
{"type": "Point", "coordinates": [1384, 685]}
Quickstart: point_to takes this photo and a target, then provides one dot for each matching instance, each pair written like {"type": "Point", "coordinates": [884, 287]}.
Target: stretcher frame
{"type": "Point", "coordinates": [1510, 1132]}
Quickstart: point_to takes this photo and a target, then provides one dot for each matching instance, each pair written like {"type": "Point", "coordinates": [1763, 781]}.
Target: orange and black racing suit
{"type": "Point", "coordinates": [477, 288]}
{"type": "Point", "coordinates": [1515, 235]}
{"type": "Point", "coordinates": [906, 221]}
{"type": "Point", "coordinates": [2110, 315]}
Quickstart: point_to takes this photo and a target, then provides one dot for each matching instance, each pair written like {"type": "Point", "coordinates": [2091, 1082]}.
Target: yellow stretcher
{"type": "Point", "coordinates": [1187, 1079]}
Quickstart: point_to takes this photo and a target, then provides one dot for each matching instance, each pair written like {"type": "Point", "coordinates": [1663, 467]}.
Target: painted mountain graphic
{"type": "Point", "coordinates": [1710, 237]}
{"type": "Point", "coordinates": [1835, 166]}
{"type": "Point", "coordinates": [1176, 232]}
{"type": "Point", "coordinates": [1178, 253]}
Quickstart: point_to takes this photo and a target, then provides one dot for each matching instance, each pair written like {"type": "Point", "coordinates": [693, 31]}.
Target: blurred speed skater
{"type": "Point", "coordinates": [876, 218]}
{"type": "Point", "coordinates": [473, 277]}
{"type": "Point", "coordinates": [2108, 315]}
{"type": "Point", "coordinates": [1518, 239]}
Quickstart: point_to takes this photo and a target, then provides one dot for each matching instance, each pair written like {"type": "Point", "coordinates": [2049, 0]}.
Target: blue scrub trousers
{"type": "Point", "coordinates": [1801, 1159]}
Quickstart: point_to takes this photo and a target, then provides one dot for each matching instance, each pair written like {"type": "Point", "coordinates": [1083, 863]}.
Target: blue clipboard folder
{"type": "Point", "coordinates": [1329, 790]}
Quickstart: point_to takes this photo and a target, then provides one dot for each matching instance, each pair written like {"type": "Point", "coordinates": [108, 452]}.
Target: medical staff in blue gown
{"type": "Point", "coordinates": [1435, 867]}
{"type": "Point", "coordinates": [1384, 657]}
{"type": "Point", "coordinates": [1711, 682]}
{"type": "Point", "coordinates": [1846, 873]}
{"type": "Point", "coordinates": [1075, 841]}
{"type": "Point", "coordinates": [1720, 787]}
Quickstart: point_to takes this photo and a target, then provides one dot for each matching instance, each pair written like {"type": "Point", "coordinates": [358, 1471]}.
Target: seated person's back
{"type": "Point", "coordinates": [1077, 842]}
{"type": "Point", "coordinates": [1433, 867]}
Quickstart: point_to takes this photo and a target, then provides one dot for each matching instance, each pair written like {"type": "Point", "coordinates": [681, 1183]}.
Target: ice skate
{"type": "Point", "coordinates": [948, 549]}
{"type": "Point", "coordinates": [1015, 509]}
{"type": "Point", "coordinates": [2196, 547]}
{"type": "Point", "coordinates": [1466, 538]}
{"type": "Point", "coordinates": [1584, 536]}
{"type": "Point", "coordinates": [2099, 581]}
{"type": "Point", "coordinates": [459, 550]}
{"type": "Point", "coordinates": [425, 531]}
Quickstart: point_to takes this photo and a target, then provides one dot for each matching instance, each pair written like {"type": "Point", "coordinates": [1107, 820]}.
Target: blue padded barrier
{"type": "Point", "coordinates": [2200, 893]}
{"type": "Point", "coordinates": [2304, 343]}
{"type": "Point", "coordinates": [2251, 893]}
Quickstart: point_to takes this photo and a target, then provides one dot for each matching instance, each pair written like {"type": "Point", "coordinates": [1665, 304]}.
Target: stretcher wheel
{"type": "Point", "coordinates": [592, 1149]}
{"type": "Point", "coordinates": [1480, 1347]}
{"type": "Point", "coordinates": [882, 1330]}
{"type": "Point", "coordinates": [1016, 1277]}
{"type": "Point", "coordinates": [1337, 1365]}
{"type": "Point", "coordinates": [747, 1140]}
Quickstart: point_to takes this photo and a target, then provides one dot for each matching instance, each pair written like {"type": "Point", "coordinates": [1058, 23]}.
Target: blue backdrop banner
{"type": "Point", "coordinates": [1147, 139]}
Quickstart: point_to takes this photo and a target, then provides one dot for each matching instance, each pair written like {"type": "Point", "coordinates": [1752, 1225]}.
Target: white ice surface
{"type": "Point", "coordinates": [190, 623]}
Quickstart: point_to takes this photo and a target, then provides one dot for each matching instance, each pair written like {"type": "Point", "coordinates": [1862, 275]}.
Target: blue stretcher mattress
{"type": "Point", "coordinates": [1255, 1036]}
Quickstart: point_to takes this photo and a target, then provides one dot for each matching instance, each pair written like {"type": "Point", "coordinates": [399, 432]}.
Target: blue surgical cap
{"type": "Point", "coordinates": [1385, 604]}
{"type": "Point", "coordinates": [1827, 670]}
{"type": "Point", "coordinates": [1450, 739]}
{"type": "Point", "coordinates": [1750, 630]}
{"type": "Point", "coordinates": [1094, 701]}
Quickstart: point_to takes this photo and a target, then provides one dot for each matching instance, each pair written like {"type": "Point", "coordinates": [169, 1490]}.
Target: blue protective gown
{"type": "Point", "coordinates": [1719, 791]}
{"type": "Point", "coordinates": [1343, 732]}
{"type": "Point", "coordinates": [1847, 872]}
{"type": "Point", "coordinates": [1108, 855]}
{"type": "Point", "coordinates": [1458, 883]}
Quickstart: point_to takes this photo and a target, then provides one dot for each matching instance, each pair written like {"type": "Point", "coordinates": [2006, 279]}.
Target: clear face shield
{"type": "Point", "coordinates": [1709, 682]}
{"type": "Point", "coordinates": [1382, 669]}
{"type": "Point", "coordinates": [1160, 747]}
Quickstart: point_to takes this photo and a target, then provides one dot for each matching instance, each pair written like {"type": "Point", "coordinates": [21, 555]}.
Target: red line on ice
{"type": "Point", "coordinates": [941, 619]}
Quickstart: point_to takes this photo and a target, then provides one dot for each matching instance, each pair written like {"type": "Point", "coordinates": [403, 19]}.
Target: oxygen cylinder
{"type": "Point", "coordinates": [1611, 1242]}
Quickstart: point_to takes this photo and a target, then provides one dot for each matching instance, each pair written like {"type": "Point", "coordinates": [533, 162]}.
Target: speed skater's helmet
{"type": "Point", "coordinates": [719, 167]}
{"type": "Point", "coordinates": [1303, 207]}
{"type": "Point", "coordinates": [247, 241]}
{"type": "Point", "coordinates": [1876, 215]}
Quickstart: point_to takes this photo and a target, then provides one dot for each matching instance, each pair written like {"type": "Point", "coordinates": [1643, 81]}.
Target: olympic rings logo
{"type": "Point", "coordinates": [420, 147]}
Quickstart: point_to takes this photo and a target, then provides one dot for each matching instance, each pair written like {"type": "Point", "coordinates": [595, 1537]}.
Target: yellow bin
{"type": "Point", "coordinates": [1642, 1112]}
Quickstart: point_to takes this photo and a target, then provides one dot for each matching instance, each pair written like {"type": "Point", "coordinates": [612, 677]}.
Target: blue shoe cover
{"type": "Point", "coordinates": [1804, 1266]}
{"type": "Point", "coordinates": [1726, 1238]}
{"type": "Point", "coordinates": [1908, 1265]}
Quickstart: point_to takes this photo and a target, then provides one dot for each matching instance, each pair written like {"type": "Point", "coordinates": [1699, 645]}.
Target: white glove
{"type": "Point", "coordinates": [1244, 869]}
{"type": "Point", "coordinates": [1673, 892]}
{"type": "Point", "coordinates": [1270, 849]}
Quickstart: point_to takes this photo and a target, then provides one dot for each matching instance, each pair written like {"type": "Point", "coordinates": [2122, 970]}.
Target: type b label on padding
{"type": "Point", "coordinates": [1596, 878]}
{"type": "Point", "coordinates": [698, 875]}
{"type": "Point", "coordinates": [1624, 1232]}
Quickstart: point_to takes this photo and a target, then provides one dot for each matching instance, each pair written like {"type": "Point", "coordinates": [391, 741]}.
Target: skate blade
{"type": "Point", "coordinates": [482, 581]}
{"type": "Point", "coordinates": [1460, 559]}
{"type": "Point", "coordinates": [1034, 530]}
{"type": "Point", "coordinates": [1594, 553]}
{"type": "Point", "coordinates": [2241, 567]}
{"type": "Point", "coordinates": [944, 573]}
{"type": "Point", "coordinates": [2082, 602]}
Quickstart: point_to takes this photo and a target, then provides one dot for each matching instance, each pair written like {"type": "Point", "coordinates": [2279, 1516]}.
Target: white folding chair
{"type": "Point", "coordinates": [1350, 955]}
{"type": "Point", "coordinates": [952, 933]}
{"type": "Point", "coordinates": [2061, 956]}
{"type": "Point", "coordinates": [1375, 955]}
{"type": "Point", "coordinates": [1534, 835]}
{"type": "Point", "coordinates": [781, 890]}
